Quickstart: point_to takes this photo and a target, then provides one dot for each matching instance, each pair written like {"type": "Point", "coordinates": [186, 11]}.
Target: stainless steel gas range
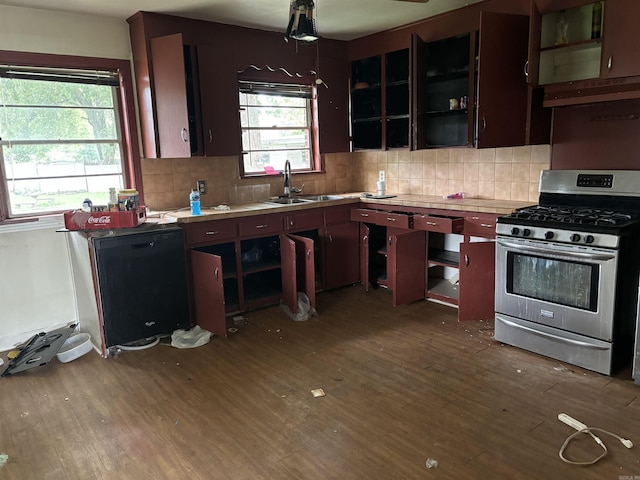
{"type": "Point", "coordinates": [567, 269]}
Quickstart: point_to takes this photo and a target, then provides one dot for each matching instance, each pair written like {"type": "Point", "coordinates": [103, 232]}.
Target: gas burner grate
{"type": "Point", "coordinates": [581, 216]}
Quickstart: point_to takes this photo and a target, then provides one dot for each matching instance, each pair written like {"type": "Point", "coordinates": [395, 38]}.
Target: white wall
{"type": "Point", "coordinates": [36, 291]}
{"type": "Point", "coordinates": [46, 31]}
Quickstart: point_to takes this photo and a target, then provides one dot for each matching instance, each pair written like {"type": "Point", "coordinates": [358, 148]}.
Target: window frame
{"type": "Point", "coordinates": [276, 77]}
{"type": "Point", "coordinates": [126, 112]}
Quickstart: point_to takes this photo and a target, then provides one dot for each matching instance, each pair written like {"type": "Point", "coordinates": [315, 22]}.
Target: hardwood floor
{"type": "Point", "coordinates": [402, 385]}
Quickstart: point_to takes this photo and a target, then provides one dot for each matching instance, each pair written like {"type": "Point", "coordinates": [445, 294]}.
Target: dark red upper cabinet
{"type": "Point", "coordinates": [485, 70]}
{"type": "Point", "coordinates": [177, 111]}
{"type": "Point", "coordinates": [219, 99]}
{"type": "Point", "coordinates": [620, 39]}
{"type": "Point", "coordinates": [502, 83]}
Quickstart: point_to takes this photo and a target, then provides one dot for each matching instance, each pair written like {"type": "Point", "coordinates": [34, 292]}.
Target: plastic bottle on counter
{"type": "Point", "coordinates": [194, 199]}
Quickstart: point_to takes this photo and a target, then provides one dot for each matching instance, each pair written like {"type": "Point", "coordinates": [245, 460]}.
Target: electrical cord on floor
{"type": "Point", "coordinates": [153, 341]}
{"type": "Point", "coordinates": [582, 428]}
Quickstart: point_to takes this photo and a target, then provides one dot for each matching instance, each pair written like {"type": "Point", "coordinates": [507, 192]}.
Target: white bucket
{"type": "Point", "coordinates": [74, 347]}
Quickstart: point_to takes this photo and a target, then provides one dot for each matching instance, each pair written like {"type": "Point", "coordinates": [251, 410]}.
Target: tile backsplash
{"type": "Point", "coordinates": [510, 173]}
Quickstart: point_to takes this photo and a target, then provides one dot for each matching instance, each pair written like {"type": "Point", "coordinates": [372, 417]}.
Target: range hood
{"type": "Point", "coordinates": [582, 92]}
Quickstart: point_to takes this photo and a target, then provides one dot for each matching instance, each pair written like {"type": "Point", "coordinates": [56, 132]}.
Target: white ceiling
{"type": "Point", "coordinates": [337, 19]}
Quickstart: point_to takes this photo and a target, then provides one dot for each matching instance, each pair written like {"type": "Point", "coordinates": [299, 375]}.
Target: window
{"type": "Point", "coordinates": [277, 125]}
{"type": "Point", "coordinates": [61, 137]}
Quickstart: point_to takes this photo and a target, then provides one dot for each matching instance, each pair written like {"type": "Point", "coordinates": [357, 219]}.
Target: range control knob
{"type": "Point", "coordinates": [575, 237]}
{"type": "Point", "coordinates": [548, 235]}
{"type": "Point", "coordinates": [526, 232]}
{"type": "Point", "coordinates": [515, 231]}
{"type": "Point", "coordinates": [589, 239]}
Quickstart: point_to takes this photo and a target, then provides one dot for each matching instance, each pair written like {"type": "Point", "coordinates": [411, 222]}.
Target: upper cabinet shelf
{"type": "Point", "coordinates": [570, 44]}
{"type": "Point", "coordinates": [595, 61]}
{"type": "Point", "coordinates": [380, 101]}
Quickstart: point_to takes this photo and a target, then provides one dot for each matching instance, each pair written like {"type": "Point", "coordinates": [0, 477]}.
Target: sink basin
{"type": "Point", "coordinates": [322, 198]}
{"type": "Point", "coordinates": [287, 201]}
{"type": "Point", "coordinates": [303, 199]}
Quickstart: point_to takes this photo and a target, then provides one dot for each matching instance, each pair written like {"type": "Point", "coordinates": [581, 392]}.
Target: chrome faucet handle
{"type": "Point", "coordinates": [296, 189]}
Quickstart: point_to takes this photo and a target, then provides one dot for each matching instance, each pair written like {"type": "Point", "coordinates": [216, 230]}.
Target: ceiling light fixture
{"type": "Point", "coordinates": [301, 23]}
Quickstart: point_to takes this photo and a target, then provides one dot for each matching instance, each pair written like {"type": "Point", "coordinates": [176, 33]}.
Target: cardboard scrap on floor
{"type": "Point", "coordinates": [317, 392]}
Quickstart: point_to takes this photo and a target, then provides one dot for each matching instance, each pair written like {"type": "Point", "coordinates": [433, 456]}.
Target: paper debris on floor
{"type": "Point", "coordinates": [196, 337]}
{"type": "Point", "coordinates": [317, 392]}
{"type": "Point", "coordinates": [4, 458]}
{"type": "Point", "coordinates": [431, 463]}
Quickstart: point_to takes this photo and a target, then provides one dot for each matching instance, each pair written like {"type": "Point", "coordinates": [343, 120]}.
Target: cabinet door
{"type": "Point", "coordinates": [170, 96]}
{"type": "Point", "coordinates": [502, 85]}
{"type": "Point", "coordinates": [298, 270]}
{"type": "Point", "coordinates": [208, 292]}
{"type": "Point", "coordinates": [407, 261]}
{"type": "Point", "coordinates": [342, 260]}
{"type": "Point", "coordinates": [364, 255]}
{"type": "Point", "coordinates": [477, 281]}
{"type": "Point", "coordinates": [219, 98]}
{"type": "Point", "coordinates": [418, 107]}
{"type": "Point", "coordinates": [533, 57]}
{"type": "Point", "coordinates": [620, 39]}
{"type": "Point", "coordinates": [305, 267]}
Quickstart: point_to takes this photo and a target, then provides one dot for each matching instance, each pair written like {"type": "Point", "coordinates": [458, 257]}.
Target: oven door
{"type": "Point", "coordinates": [568, 287]}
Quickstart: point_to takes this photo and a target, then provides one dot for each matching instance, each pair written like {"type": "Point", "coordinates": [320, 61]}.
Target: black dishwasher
{"type": "Point", "coordinates": [142, 281]}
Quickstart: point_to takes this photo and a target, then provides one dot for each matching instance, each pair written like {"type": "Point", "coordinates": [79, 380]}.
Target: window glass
{"type": "Point", "coordinates": [60, 142]}
{"type": "Point", "coordinates": [276, 126]}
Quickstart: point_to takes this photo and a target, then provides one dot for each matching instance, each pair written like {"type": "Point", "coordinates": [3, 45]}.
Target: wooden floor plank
{"type": "Point", "coordinates": [401, 385]}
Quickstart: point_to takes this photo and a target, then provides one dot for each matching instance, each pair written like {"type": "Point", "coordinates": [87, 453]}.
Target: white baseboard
{"type": "Point", "coordinates": [9, 342]}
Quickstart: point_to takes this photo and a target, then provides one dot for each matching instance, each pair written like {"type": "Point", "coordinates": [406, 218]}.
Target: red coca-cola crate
{"type": "Point", "coordinates": [79, 220]}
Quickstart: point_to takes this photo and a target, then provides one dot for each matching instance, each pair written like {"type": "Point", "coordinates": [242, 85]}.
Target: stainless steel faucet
{"type": "Point", "coordinates": [288, 188]}
{"type": "Point", "coordinates": [287, 178]}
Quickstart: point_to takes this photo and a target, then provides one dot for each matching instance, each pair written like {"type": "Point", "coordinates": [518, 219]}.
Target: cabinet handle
{"type": "Point", "coordinates": [330, 239]}
{"type": "Point", "coordinates": [432, 223]}
{"type": "Point", "coordinates": [466, 260]}
{"type": "Point", "coordinates": [308, 254]}
{"type": "Point", "coordinates": [391, 219]}
{"type": "Point", "coordinates": [184, 135]}
{"type": "Point", "coordinates": [484, 123]}
{"type": "Point", "coordinates": [365, 239]}
{"type": "Point", "coordinates": [215, 273]}
{"type": "Point", "coordinates": [610, 62]}
{"type": "Point", "coordinates": [210, 136]}
{"type": "Point", "coordinates": [364, 214]}
{"type": "Point", "coordinates": [526, 68]}
{"type": "Point", "coordinates": [291, 222]}
{"type": "Point", "coordinates": [211, 233]}
{"type": "Point", "coordinates": [486, 225]}
{"type": "Point", "coordinates": [390, 240]}
{"type": "Point", "coordinates": [262, 226]}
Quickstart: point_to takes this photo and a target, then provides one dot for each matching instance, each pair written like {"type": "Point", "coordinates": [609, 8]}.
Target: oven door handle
{"type": "Point", "coordinates": [551, 335]}
{"type": "Point", "coordinates": [525, 249]}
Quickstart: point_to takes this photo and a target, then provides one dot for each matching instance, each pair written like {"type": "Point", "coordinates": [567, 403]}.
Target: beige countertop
{"type": "Point", "coordinates": [423, 201]}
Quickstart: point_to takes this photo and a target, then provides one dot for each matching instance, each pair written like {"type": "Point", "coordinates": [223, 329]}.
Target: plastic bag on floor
{"type": "Point", "coordinates": [196, 337]}
{"type": "Point", "coordinates": [305, 310]}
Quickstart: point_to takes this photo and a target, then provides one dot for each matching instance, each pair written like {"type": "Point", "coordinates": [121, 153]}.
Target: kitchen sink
{"type": "Point", "coordinates": [321, 198]}
{"type": "Point", "coordinates": [287, 200]}
{"type": "Point", "coordinates": [303, 199]}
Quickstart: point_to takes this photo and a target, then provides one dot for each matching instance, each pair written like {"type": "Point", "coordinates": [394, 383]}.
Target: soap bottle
{"type": "Point", "coordinates": [194, 199]}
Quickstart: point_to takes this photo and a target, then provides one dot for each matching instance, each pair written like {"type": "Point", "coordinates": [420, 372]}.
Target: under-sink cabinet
{"type": "Point", "coordinates": [236, 265]}
{"type": "Point", "coordinates": [250, 262]}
